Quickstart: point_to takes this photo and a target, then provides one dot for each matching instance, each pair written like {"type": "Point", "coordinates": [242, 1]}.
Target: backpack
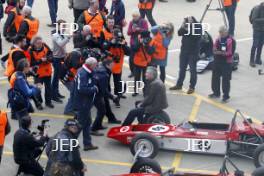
{"type": "Point", "coordinates": [16, 100]}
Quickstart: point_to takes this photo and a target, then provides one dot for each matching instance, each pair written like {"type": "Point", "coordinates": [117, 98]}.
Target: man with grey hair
{"type": "Point", "coordinates": [154, 101]}
{"type": "Point", "coordinates": [84, 93]}
{"type": "Point", "coordinates": [84, 38]}
{"type": "Point", "coordinates": [222, 66]}
{"type": "Point", "coordinates": [30, 25]}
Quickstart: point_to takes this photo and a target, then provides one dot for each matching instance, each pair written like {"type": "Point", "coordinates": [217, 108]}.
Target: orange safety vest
{"type": "Point", "coordinates": [145, 5]}
{"type": "Point", "coordinates": [18, 19]}
{"type": "Point", "coordinates": [229, 2]}
{"type": "Point", "coordinates": [10, 69]}
{"type": "Point", "coordinates": [3, 123]}
{"type": "Point", "coordinates": [96, 23]}
{"type": "Point", "coordinates": [12, 80]}
{"type": "Point", "coordinates": [141, 58]}
{"type": "Point", "coordinates": [160, 50]}
{"type": "Point", "coordinates": [108, 35]}
{"type": "Point", "coordinates": [33, 28]}
{"type": "Point", "coordinates": [45, 69]}
{"type": "Point", "coordinates": [117, 67]}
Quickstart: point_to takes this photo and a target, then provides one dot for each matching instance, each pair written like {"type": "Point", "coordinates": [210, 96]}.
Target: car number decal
{"type": "Point", "coordinates": [158, 129]}
{"type": "Point", "coordinates": [124, 129]}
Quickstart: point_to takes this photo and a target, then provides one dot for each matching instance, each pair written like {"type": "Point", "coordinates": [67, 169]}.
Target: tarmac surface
{"type": "Point", "coordinates": [113, 158]}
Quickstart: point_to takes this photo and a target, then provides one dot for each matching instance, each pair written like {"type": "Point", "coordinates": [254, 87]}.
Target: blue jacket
{"type": "Point", "coordinates": [84, 89]}
{"type": "Point", "coordinates": [118, 11]}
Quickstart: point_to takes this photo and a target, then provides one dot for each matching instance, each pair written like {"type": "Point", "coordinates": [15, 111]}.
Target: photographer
{"type": "Point", "coordinates": [142, 57]}
{"type": "Point", "coordinates": [72, 63]}
{"type": "Point", "coordinates": [135, 27]}
{"type": "Point", "coordinates": [163, 35]}
{"type": "Point", "coordinates": [84, 39]}
{"type": "Point", "coordinates": [191, 32]}
{"type": "Point", "coordinates": [145, 9]}
{"type": "Point", "coordinates": [65, 162]}
{"type": "Point", "coordinates": [118, 47]}
{"type": "Point", "coordinates": [26, 148]}
{"type": "Point", "coordinates": [41, 57]}
{"type": "Point", "coordinates": [20, 91]}
{"type": "Point", "coordinates": [102, 77]}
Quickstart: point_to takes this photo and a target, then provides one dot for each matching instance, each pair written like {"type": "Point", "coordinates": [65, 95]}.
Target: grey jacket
{"type": "Point", "coordinates": [79, 4]}
{"type": "Point", "coordinates": [256, 17]}
{"type": "Point", "coordinates": [59, 45]}
{"type": "Point", "coordinates": [156, 98]}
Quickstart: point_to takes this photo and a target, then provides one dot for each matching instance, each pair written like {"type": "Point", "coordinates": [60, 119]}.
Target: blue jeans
{"type": "Point", "coordinates": [55, 80]}
{"type": "Point", "coordinates": [30, 3]}
{"type": "Point", "coordinates": [258, 41]}
{"type": "Point", "coordinates": [69, 105]}
{"type": "Point", "coordinates": [230, 13]}
{"type": "Point", "coordinates": [84, 118]}
{"type": "Point", "coordinates": [53, 9]}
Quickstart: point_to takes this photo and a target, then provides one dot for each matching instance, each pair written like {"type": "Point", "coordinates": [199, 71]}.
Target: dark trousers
{"type": "Point", "coordinates": [131, 62]}
{"type": "Point", "coordinates": [84, 118]}
{"type": "Point", "coordinates": [76, 14]}
{"type": "Point", "coordinates": [1, 153]}
{"type": "Point", "coordinates": [162, 72]}
{"type": "Point", "coordinates": [139, 72]}
{"type": "Point", "coordinates": [55, 79]}
{"type": "Point", "coordinates": [230, 13]}
{"type": "Point", "coordinates": [53, 9]}
{"type": "Point", "coordinates": [47, 84]}
{"type": "Point", "coordinates": [108, 111]}
{"type": "Point", "coordinates": [223, 70]}
{"type": "Point", "coordinates": [258, 41]}
{"type": "Point", "coordinates": [132, 115]}
{"type": "Point", "coordinates": [99, 103]}
{"type": "Point", "coordinates": [185, 60]}
{"type": "Point", "coordinates": [69, 106]}
{"type": "Point", "coordinates": [31, 167]}
{"type": "Point", "coordinates": [117, 84]}
{"type": "Point", "coordinates": [148, 13]}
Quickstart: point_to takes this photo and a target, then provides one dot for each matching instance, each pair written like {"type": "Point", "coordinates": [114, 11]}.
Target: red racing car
{"type": "Point", "coordinates": [240, 137]}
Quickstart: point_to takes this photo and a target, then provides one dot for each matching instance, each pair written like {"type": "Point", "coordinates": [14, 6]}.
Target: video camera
{"type": "Point", "coordinates": [97, 53]}
{"type": "Point", "coordinates": [43, 126]}
{"type": "Point", "coordinates": [118, 37]}
{"type": "Point", "coordinates": [33, 72]}
{"type": "Point", "coordinates": [146, 38]}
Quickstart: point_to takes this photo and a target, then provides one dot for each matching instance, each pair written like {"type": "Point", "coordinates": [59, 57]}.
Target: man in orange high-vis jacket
{"type": "Point", "coordinates": [41, 56]}
{"type": "Point", "coordinates": [4, 130]}
{"type": "Point", "coordinates": [93, 18]}
{"type": "Point", "coordinates": [230, 9]}
{"type": "Point", "coordinates": [13, 21]}
{"type": "Point", "coordinates": [145, 8]}
{"type": "Point", "coordinates": [30, 25]}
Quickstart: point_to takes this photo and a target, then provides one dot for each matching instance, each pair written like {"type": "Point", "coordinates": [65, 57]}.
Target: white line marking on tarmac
{"type": "Point", "coordinates": [3, 78]}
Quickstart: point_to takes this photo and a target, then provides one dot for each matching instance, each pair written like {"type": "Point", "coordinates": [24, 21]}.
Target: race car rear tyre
{"type": "Point", "coordinates": [146, 165]}
{"type": "Point", "coordinates": [159, 118]}
{"type": "Point", "coordinates": [148, 143]}
{"type": "Point", "coordinates": [258, 172]}
{"type": "Point", "coordinates": [259, 156]}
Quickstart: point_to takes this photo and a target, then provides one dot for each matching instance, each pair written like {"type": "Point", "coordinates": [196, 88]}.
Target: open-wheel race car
{"type": "Point", "coordinates": [242, 138]}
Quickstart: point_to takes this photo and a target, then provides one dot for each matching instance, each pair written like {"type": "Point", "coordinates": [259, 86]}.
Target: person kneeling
{"type": "Point", "coordinates": [154, 101]}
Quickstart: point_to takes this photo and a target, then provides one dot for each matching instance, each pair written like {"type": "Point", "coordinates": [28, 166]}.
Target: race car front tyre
{"type": "Point", "coordinates": [159, 118]}
{"type": "Point", "coordinates": [259, 156]}
{"type": "Point", "coordinates": [145, 142]}
{"type": "Point", "coordinates": [146, 165]}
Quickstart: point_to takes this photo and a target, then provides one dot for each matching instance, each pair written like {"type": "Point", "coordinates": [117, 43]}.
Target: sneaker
{"type": "Point", "coordinates": [61, 96]}
{"type": "Point", "coordinates": [213, 96]}
{"type": "Point", "coordinates": [50, 105]}
{"type": "Point", "coordinates": [130, 76]}
{"type": "Point", "coordinates": [102, 128]}
{"type": "Point", "coordinates": [40, 107]}
{"type": "Point", "coordinates": [90, 147]}
{"type": "Point", "coordinates": [190, 91]}
{"type": "Point", "coordinates": [176, 87]}
{"type": "Point", "coordinates": [114, 121]}
{"type": "Point", "coordinates": [134, 94]}
{"type": "Point", "coordinates": [117, 104]}
{"type": "Point", "coordinates": [225, 99]}
{"type": "Point", "coordinates": [53, 25]}
{"type": "Point", "coordinates": [57, 100]}
{"type": "Point", "coordinates": [96, 133]}
{"type": "Point", "coordinates": [252, 64]}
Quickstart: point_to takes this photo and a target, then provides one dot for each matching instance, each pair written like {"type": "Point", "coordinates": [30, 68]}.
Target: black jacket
{"type": "Point", "coordinates": [190, 42]}
{"type": "Point", "coordinates": [25, 144]}
{"type": "Point", "coordinates": [256, 18]}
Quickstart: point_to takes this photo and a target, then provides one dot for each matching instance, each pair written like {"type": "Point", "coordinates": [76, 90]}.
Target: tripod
{"type": "Point", "coordinates": [220, 8]}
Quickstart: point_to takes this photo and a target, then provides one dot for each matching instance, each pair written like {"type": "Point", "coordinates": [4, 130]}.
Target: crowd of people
{"type": "Point", "coordinates": [100, 47]}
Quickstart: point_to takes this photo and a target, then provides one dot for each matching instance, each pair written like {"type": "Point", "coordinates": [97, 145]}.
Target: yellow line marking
{"type": "Point", "coordinates": [195, 109]}
{"type": "Point", "coordinates": [177, 161]}
{"type": "Point", "coordinates": [196, 171]}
